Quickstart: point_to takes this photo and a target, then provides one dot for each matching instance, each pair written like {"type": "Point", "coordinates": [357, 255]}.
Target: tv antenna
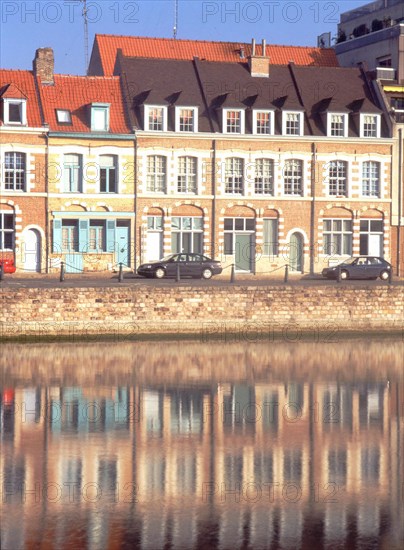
{"type": "Point", "coordinates": [84, 13]}
{"type": "Point", "coordinates": [175, 19]}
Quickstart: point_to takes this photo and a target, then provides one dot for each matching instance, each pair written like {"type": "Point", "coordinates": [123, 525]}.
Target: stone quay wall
{"type": "Point", "coordinates": [207, 313]}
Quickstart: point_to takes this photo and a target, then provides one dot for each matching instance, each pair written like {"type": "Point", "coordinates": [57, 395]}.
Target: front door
{"type": "Point", "coordinates": [122, 244]}
{"type": "Point", "coordinates": [32, 251]}
{"type": "Point", "coordinates": [244, 251]}
{"type": "Point", "coordinates": [296, 252]}
{"type": "Point", "coordinates": [154, 246]}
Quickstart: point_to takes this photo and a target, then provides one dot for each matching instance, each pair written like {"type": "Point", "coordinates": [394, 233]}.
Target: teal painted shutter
{"type": "Point", "coordinates": [111, 235]}
{"type": "Point", "coordinates": [57, 236]}
{"type": "Point", "coordinates": [83, 235]}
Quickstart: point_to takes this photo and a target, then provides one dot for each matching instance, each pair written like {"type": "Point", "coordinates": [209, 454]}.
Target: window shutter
{"type": "Point", "coordinates": [83, 235]}
{"type": "Point", "coordinates": [57, 236]}
{"type": "Point", "coordinates": [111, 235]}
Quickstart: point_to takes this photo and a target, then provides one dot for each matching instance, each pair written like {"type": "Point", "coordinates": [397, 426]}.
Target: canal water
{"type": "Point", "coordinates": [222, 443]}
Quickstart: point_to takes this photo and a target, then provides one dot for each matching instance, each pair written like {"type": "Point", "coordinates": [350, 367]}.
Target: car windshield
{"type": "Point", "coordinates": [349, 261]}
{"type": "Point", "coordinates": [168, 258]}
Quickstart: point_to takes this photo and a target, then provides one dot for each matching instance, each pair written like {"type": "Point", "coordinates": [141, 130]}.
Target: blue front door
{"type": "Point", "coordinates": [122, 245]}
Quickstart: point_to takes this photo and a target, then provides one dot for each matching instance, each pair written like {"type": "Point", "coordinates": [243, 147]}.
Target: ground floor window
{"type": "Point", "coordinates": [85, 236]}
{"type": "Point", "coordinates": [70, 235]}
{"type": "Point", "coordinates": [6, 231]}
{"type": "Point", "coordinates": [371, 237]}
{"type": "Point", "coordinates": [97, 234]}
{"type": "Point", "coordinates": [270, 237]}
{"type": "Point", "coordinates": [337, 237]}
{"type": "Point", "coordinates": [186, 234]}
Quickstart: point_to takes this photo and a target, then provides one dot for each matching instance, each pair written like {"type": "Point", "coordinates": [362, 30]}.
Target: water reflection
{"type": "Point", "coordinates": [202, 445]}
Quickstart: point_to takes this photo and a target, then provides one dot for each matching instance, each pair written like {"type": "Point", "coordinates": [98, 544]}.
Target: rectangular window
{"type": "Point", "coordinates": [63, 116]}
{"type": "Point", "coordinates": [371, 238]}
{"type": "Point", "coordinates": [293, 124]}
{"type": "Point", "coordinates": [14, 171]}
{"type": "Point", "coordinates": [270, 237]}
{"type": "Point", "coordinates": [99, 118]}
{"type": "Point", "coordinates": [186, 234]}
{"type": "Point", "coordinates": [371, 179]}
{"type": "Point", "coordinates": [154, 223]}
{"type": "Point", "coordinates": [337, 178]}
{"type": "Point", "coordinates": [293, 177]}
{"type": "Point", "coordinates": [15, 111]}
{"type": "Point", "coordinates": [186, 119]}
{"type": "Point", "coordinates": [263, 122]}
{"type": "Point", "coordinates": [6, 231]}
{"type": "Point", "coordinates": [370, 126]}
{"type": "Point", "coordinates": [156, 173]}
{"type": "Point", "coordinates": [337, 125]}
{"type": "Point", "coordinates": [234, 176]}
{"type": "Point", "coordinates": [70, 235]}
{"type": "Point", "coordinates": [97, 236]}
{"type": "Point", "coordinates": [233, 121]}
{"type": "Point", "coordinates": [108, 179]}
{"type": "Point", "coordinates": [337, 237]}
{"type": "Point", "coordinates": [187, 182]}
{"type": "Point", "coordinates": [264, 177]}
{"type": "Point", "coordinates": [72, 174]}
{"type": "Point", "coordinates": [156, 119]}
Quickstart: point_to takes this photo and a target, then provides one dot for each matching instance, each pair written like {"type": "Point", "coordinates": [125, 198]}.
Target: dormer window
{"type": "Point", "coordinates": [292, 123]}
{"type": "Point", "coordinates": [15, 111]}
{"type": "Point", "coordinates": [337, 124]}
{"type": "Point", "coordinates": [186, 119]}
{"type": "Point", "coordinates": [63, 116]}
{"type": "Point", "coordinates": [155, 118]}
{"type": "Point", "coordinates": [233, 121]}
{"type": "Point", "coordinates": [370, 126]}
{"type": "Point", "coordinates": [263, 122]}
{"type": "Point", "coordinates": [100, 117]}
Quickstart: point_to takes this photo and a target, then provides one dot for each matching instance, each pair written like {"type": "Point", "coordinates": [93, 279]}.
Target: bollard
{"type": "Point", "coordinates": [232, 274]}
{"type": "Point", "coordinates": [62, 272]}
{"type": "Point", "coordinates": [177, 274]}
{"type": "Point", "coordinates": [1, 272]}
{"type": "Point", "coordinates": [286, 278]}
{"type": "Point", "coordinates": [120, 275]}
{"type": "Point", "coordinates": [390, 277]}
{"type": "Point", "coordinates": [338, 274]}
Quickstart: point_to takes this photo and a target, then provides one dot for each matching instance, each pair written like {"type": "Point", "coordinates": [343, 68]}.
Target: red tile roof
{"type": "Point", "coordinates": [106, 46]}
{"type": "Point", "coordinates": [76, 93]}
{"type": "Point", "coordinates": [18, 85]}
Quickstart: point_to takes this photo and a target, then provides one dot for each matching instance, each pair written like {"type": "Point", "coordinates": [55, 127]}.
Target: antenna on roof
{"type": "Point", "coordinates": [85, 34]}
{"type": "Point", "coordinates": [175, 19]}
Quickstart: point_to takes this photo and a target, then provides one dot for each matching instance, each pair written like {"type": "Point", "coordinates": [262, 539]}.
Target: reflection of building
{"type": "Point", "coordinates": [251, 460]}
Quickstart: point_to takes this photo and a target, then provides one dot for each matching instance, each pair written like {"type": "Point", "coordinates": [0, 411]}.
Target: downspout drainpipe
{"type": "Point", "coordinates": [400, 198]}
{"type": "Point", "coordinates": [48, 243]}
{"type": "Point", "coordinates": [313, 206]}
{"type": "Point", "coordinates": [214, 250]}
{"type": "Point", "coordinates": [136, 228]}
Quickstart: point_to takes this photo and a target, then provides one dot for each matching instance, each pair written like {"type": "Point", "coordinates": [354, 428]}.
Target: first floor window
{"type": "Point", "coordinates": [270, 237]}
{"type": "Point", "coordinates": [14, 171]}
{"type": "Point", "coordinates": [337, 237]}
{"type": "Point", "coordinates": [337, 178]}
{"type": "Point", "coordinates": [72, 173]}
{"type": "Point", "coordinates": [371, 179]}
{"type": "Point", "coordinates": [234, 177]}
{"type": "Point", "coordinates": [371, 238]}
{"type": "Point", "coordinates": [6, 231]}
{"type": "Point", "coordinates": [264, 177]}
{"type": "Point", "coordinates": [187, 167]}
{"type": "Point", "coordinates": [186, 234]}
{"type": "Point", "coordinates": [70, 235]}
{"type": "Point", "coordinates": [108, 180]}
{"type": "Point", "coordinates": [293, 177]}
{"type": "Point", "coordinates": [233, 226]}
{"type": "Point", "coordinates": [97, 237]}
{"type": "Point", "coordinates": [156, 173]}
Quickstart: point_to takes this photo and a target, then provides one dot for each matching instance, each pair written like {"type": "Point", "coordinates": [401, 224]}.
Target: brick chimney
{"type": "Point", "coordinates": [44, 64]}
{"type": "Point", "coordinates": [259, 64]}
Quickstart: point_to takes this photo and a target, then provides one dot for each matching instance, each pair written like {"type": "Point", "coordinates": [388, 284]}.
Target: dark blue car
{"type": "Point", "coordinates": [361, 267]}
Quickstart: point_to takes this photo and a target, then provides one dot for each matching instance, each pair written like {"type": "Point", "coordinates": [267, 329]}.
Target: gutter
{"type": "Point", "coordinates": [400, 198]}
{"type": "Point", "coordinates": [86, 135]}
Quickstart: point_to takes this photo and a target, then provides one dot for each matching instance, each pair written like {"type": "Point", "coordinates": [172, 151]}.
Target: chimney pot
{"type": "Point", "coordinates": [253, 46]}
{"type": "Point", "coordinates": [263, 47]}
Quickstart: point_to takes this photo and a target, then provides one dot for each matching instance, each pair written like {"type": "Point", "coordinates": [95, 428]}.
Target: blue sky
{"type": "Point", "coordinates": [27, 25]}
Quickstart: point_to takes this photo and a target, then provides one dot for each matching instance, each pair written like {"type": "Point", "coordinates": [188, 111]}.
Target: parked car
{"type": "Point", "coordinates": [7, 265]}
{"type": "Point", "coordinates": [190, 265]}
{"type": "Point", "coordinates": [361, 267]}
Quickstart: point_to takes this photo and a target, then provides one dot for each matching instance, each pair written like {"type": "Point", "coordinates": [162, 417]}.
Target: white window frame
{"type": "Point", "coordinates": [337, 178]}
{"type": "Point", "coordinates": [231, 180]}
{"type": "Point", "coordinates": [147, 109]}
{"type": "Point", "coordinates": [271, 114]}
{"type": "Point", "coordinates": [362, 125]}
{"type": "Point", "coordinates": [302, 177]}
{"type": "Point", "coordinates": [329, 122]}
{"type": "Point", "coordinates": [301, 122]}
{"type": "Point", "coordinates": [3, 230]}
{"type": "Point", "coordinates": [189, 177]}
{"type": "Point", "coordinates": [102, 107]}
{"type": "Point", "coordinates": [242, 121]}
{"type": "Point", "coordinates": [22, 103]}
{"type": "Point", "coordinates": [18, 174]}
{"type": "Point", "coordinates": [152, 178]}
{"type": "Point", "coordinates": [337, 234]}
{"type": "Point", "coordinates": [379, 181]}
{"type": "Point", "coordinates": [194, 115]}
{"type": "Point", "coordinates": [60, 113]}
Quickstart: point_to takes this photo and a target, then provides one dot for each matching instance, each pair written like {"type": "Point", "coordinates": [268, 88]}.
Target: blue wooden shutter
{"type": "Point", "coordinates": [84, 235]}
{"type": "Point", "coordinates": [57, 236]}
{"type": "Point", "coordinates": [111, 235]}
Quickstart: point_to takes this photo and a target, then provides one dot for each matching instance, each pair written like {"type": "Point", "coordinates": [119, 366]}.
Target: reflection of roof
{"type": "Point", "coordinates": [21, 85]}
{"type": "Point", "coordinates": [76, 93]}
{"type": "Point", "coordinates": [106, 46]}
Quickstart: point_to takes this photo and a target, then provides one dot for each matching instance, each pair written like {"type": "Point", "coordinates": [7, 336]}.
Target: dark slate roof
{"type": "Point", "coordinates": [212, 86]}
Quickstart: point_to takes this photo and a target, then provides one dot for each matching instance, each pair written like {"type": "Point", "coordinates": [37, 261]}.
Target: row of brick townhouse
{"type": "Point", "coordinates": [229, 154]}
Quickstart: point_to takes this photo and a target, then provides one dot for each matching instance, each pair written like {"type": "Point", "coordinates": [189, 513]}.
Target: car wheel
{"type": "Point", "coordinates": [384, 275]}
{"type": "Point", "coordinates": [344, 275]}
{"type": "Point", "coordinates": [159, 273]}
{"type": "Point", "coordinates": [206, 274]}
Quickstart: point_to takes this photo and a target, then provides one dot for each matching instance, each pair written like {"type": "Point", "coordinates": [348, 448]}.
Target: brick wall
{"type": "Point", "coordinates": [210, 312]}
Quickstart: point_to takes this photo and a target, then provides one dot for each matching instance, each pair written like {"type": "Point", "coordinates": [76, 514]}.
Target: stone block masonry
{"type": "Point", "coordinates": [209, 313]}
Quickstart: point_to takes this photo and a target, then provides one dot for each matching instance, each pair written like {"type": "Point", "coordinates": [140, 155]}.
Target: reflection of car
{"type": "Point", "coordinates": [7, 265]}
{"type": "Point", "coordinates": [362, 267]}
{"type": "Point", "coordinates": [190, 265]}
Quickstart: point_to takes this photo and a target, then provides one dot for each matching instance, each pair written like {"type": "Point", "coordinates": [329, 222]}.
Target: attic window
{"type": "Point", "coordinates": [155, 118]}
{"type": "Point", "coordinates": [100, 117]}
{"type": "Point", "coordinates": [15, 111]}
{"type": "Point", "coordinates": [63, 116]}
{"type": "Point", "coordinates": [337, 124]}
{"type": "Point", "coordinates": [233, 121]}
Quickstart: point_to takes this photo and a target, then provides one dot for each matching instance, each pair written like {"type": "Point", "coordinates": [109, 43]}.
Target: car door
{"type": "Point", "coordinates": [358, 270]}
{"type": "Point", "coordinates": [373, 268]}
{"type": "Point", "coordinates": [181, 261]}
{"type": "Point", "coordinates": [194, 265]}
{"type": "Point", "coordinates": [171, 266]}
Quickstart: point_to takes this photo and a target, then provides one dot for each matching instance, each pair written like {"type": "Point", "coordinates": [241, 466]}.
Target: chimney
{"type": "Point", "coordinates": [242, 52]}
{"type": "Point", "coordinates": [259, 64]}
{"type": "Point", "coordinates": [44, 64]}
